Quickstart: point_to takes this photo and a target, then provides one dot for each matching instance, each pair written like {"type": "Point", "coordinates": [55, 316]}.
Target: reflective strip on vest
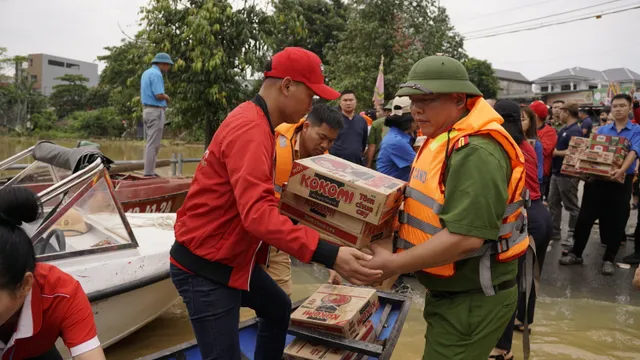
{"type": "Point", "coordinates": [277, 188]}
{"type": "Point", "coordinates": [423, 199]}
{"type": "Point", "coordinates": [413, 221]}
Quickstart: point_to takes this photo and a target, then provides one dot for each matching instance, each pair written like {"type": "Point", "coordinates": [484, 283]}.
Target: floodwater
{"type": "Point", "coordinates": [579, 315]}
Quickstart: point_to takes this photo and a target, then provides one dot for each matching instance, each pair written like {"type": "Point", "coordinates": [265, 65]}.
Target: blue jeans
{"type": "Point", "coordinates": [214, 310]}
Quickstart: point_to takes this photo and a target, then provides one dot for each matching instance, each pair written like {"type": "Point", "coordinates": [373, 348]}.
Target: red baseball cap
{"type": "Point", "coordinates": [302, 66]}
{"type": "Point", "coordinates": [540, 109]}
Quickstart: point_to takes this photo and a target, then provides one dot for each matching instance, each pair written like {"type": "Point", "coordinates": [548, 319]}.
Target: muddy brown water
{"type": "Point", "coordinates": [566, 327]}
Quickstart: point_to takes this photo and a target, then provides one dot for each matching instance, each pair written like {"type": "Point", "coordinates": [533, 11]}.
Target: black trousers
{"type": "Point", "coordinates": [609, 202]}
{"type": "Point", "coordinates": [544, 187]}
{"type": "Point", "coordinates": [539, 227]}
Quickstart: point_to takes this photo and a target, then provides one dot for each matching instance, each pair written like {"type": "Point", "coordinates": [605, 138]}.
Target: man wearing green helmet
{"type": "Point", "coordinates": [463, 223]}
{"type": "Point", "coordinates": [376, 133]}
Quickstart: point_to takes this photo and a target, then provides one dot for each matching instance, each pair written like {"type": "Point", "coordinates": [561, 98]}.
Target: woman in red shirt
{"type": "Point", "coordinates": [538, 225]}
{"type": "Point", "coordinates": [38, 302]}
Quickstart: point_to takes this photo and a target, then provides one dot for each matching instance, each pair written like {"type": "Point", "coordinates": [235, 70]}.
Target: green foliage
{"type": "Point", "coordinates": [213, 48]}
{"type": "Point", "coordinates": [69, 97]}
{"type": "Point", "coordinates": [19, 101]}
{"type": "Point", "coordinates": [104, 122]}
{"type": "Point", "coordinates": [44, 121]}
{"type": "Point", "coordinates": [311, 24]}
{"type": "Point", "coordinates": [402, 31]}
{"type": "Point", "coordinates": [97, 97]}
{"type": "Point", "coordinates": [483, 77]}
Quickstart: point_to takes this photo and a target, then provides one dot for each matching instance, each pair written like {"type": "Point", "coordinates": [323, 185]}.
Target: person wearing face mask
{"type": "Point", "coordinates": [230, 217]}
{"type": "Point", "coordinates": [312, 136]}
{"type": "Point", "coordinates": [39, 303]}
{"type": "Point", "coordinates": [396, 150]}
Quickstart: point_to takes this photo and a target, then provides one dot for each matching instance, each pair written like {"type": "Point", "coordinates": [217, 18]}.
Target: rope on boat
{"type": "Point", "coordinates": [160, 222]}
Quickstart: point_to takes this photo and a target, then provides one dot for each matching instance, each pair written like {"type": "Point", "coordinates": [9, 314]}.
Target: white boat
{"type": "Point", "coordinates": [121, 260]}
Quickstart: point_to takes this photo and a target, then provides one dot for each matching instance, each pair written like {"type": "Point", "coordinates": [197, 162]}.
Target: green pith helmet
{"type": "Point", "coordinates": [438, 75]}
{"type": "Point", "coordinates": [389, 106]}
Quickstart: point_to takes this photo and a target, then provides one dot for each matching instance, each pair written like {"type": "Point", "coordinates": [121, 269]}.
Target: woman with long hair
{"type": "Point", "coordinates": [528, 119]}
{"type": "Point", "coordinates": [538, 225]}
{"type": "Point", "coordinates": [39, 303]}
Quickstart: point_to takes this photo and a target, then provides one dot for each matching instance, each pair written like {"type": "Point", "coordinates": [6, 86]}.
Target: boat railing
{"type": "Point", "coordinates": [79, 177]}
{"type": "Point", "coordinates": [7, 163]}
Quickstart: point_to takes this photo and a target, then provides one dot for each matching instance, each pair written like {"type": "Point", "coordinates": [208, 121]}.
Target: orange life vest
{"type": "Point", "coordinates": [285, 146]}
{"type": "Point", "coordinates": [424, 197]}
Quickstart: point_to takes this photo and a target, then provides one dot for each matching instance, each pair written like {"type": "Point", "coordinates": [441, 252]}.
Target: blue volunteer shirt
{"type": "Point", "coordinates": [540, 158]}
{"type": "Point", "coordinates": [564, 136]}
{"type": "Point", "coordinates": [587, 124]}
{"type": "Point", "coordinates": [396, 154]}
{"type": "Point", "coordinates": [152, 84]}
{"type": "Point", "coordinates": [631, 131]}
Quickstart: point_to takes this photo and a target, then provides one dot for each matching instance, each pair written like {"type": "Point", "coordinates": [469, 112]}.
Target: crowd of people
{"type": "Point", "coordinates": [473, 220]}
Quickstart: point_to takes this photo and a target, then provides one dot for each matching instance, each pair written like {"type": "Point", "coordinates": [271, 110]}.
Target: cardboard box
{"type": "Point", "coordinates": [352, 189]}
{"type": "Point", "coordinates": [579, 142]}
{"type": "Point", "coordinates": [617, 150]}
{"type": "Point", "coordinates": [603, 157]}
{"type": "Point", "coordinates": [301, 349]}
{"type": "Point", "coordinates": [347, 229]}
{"type": "Point", "coordinates": [340, 310]}
{"type": "Point", "coordinates": [610, 140]}
{"type": "Point", "coordinates": [570, 170]}
{"type": "Point", "coordinates": [598, 170]}
{"type": "Point", "coordinates": [571, 160]}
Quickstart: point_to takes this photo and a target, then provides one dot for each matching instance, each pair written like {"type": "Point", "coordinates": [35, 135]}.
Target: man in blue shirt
{"type": "Point", "coordinates": [154, 101]}
{"type": "Point", "coordinates": [396, 153]}
{"type": "Point", "coordinates": [353, 137]}
{"type": "Point", "coordinates": [608, 201]}
{"type": "Point", "coordinates": [585, 123]}
{"type": "Point", "coordinates": [563, 189]}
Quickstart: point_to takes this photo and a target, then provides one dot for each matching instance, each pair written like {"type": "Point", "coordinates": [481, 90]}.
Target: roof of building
{"type": "Point", "coordinates": [617, 75]}
{"type": "Point", "coordinates": [510, 75]}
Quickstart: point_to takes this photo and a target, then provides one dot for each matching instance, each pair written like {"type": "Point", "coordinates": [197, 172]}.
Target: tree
{"type": "Point", "coordinates": [18, 102]}
{"type": "Point", "coordinates": [213, 47]}
{"type": "Point", "coordinates": [402, 31]}
{"type": "Point", "coordinates": [69, 97]}
{"type": "Point", "coordinates": [97, 97]}
{"type": "Point", "coordinates": [104, 122]}
{"type": "Point", "coordinates": [483, 77]}
{"type": "Point", "coordinates": [310, 24]}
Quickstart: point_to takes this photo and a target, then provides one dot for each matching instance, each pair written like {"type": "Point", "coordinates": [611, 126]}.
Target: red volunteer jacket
{"type": "Point", "coordinates": [56, 307]}
{"type": "Point", "coordinates": [231, 209]}
{"type": "Point", "coordinates": [548, 137]}
{"type": "Point", "coordinates": [531, 169]}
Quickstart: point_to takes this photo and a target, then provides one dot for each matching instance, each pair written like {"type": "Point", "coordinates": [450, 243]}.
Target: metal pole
{"type": "Point", "coordinates": [180, 164]}
{"type": "Point", "coordinates": [173, 164]}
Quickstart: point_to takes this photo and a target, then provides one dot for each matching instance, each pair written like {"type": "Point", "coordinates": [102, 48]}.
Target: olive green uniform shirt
{"type": "Point", "coordinates": [476, 195]}
{"type": "Point", "coordinates": [376, 134]}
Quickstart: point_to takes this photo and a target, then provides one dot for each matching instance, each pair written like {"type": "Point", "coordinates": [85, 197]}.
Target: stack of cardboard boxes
{"type": "Point", "coordinates": [340, 310]}
{"type": "Point", "coordinates": [348, 204]}
{"type": "Point", "coordinates": [596, 157]}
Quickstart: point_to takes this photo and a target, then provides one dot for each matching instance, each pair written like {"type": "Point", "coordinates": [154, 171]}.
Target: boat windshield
{"type": "Point", "coordinates": [87, 219]}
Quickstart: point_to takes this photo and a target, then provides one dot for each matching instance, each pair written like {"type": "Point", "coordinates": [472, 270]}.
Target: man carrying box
{"type": "Point", "coordinates": [462, 228]}
{"type": "Point", "coordinates": [309, 137]}
{"type": "Point", "coordinates": [563, 189]}
{"type": "Point", "coordinates": [608, 201]}
{"type": "Point", "coordinates": [230, 216]}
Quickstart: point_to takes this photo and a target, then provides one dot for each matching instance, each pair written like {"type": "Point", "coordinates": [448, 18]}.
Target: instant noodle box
{"type": "Point", "coordinates": [347, 229]}
{"type": "Point", "coordinates": [571, 160]}
{"type": "Point", "coordinates": [610, 140]}
{"type": "Point", "coordinates": [340, 310]}
{"type": "Point", "coordinates": [570, 170]}
{"type": "Point", "coordinates": [352, 189]}
{"type": "Point", "coordinates": [579, 142]}
{"type": "Point", "coordinates": [602, 171]}
{"type": "Point", "coordinates": [603, 157]}
{"type": "Point", "coordinates": [300, 349]}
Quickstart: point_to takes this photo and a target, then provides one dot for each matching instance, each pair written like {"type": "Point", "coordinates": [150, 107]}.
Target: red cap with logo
{"type": "Point", "coordinates": [540, 109]}
{"type": "Point", "coordinates": [302, 66]}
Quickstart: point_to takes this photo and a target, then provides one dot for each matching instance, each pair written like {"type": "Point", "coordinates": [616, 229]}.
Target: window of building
{"type": "Point", "coordinates": [34, 78]}
{"type": "Point", "coordinates": [30, 62]}
{"type": "Point", "coordinates": [55, 63]}
{"type": "Point", "coordinates": [575, 87]}
{"type": "Point", "coordinates": [544, 89]}
{"type": "Point", "coordinates": [592, 87]}
{"type": "Point", "coordinates": [73, 66]}
{"type": "Point", "coordinates": [565, 87]}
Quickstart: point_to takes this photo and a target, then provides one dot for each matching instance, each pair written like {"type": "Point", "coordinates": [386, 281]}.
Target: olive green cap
{"type": "Point", "coordinates": [389, 105]}
{"type": "Point", "coordinates": [438, 75]}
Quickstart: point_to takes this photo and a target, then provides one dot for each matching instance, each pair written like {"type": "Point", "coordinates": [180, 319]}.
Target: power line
{"type": "Point", "coordinates": [540, 18]}
{"type": "Point", "coordinates": [507, 10]}
{"type": "Point", "coordinates": [535, 27]}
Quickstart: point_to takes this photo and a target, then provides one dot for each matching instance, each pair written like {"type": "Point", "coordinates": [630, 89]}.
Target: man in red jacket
{"type": "Point", "coordinates": [230, 217]}
{"type": "Point", "coordinates": [548, 137]}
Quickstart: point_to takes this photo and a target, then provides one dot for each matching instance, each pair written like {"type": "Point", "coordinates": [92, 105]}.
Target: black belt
{"type": "Point", "coordinates": [448, 294]}
{"type": "Point", "coordinates": [153, 106]}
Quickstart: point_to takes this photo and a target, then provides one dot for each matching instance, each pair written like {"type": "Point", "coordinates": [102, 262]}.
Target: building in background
{"type": "Point", "coordinates": [514, 86]}
{"type": "Point", "coordinates": [43, 69]}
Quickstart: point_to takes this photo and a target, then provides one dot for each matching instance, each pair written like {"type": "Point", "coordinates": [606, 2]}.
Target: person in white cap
{"type": "Point", "coordinates": [396, 153]}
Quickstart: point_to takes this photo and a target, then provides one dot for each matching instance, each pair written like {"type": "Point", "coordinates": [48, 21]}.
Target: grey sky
{"type": "Point", "coordinates": [80, 29]}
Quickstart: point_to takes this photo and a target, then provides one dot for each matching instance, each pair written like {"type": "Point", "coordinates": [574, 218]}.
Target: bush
{"type": "Point", "coordinates": [44, 121]}
{"type": "Point", "coordinates": [104, 122]}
